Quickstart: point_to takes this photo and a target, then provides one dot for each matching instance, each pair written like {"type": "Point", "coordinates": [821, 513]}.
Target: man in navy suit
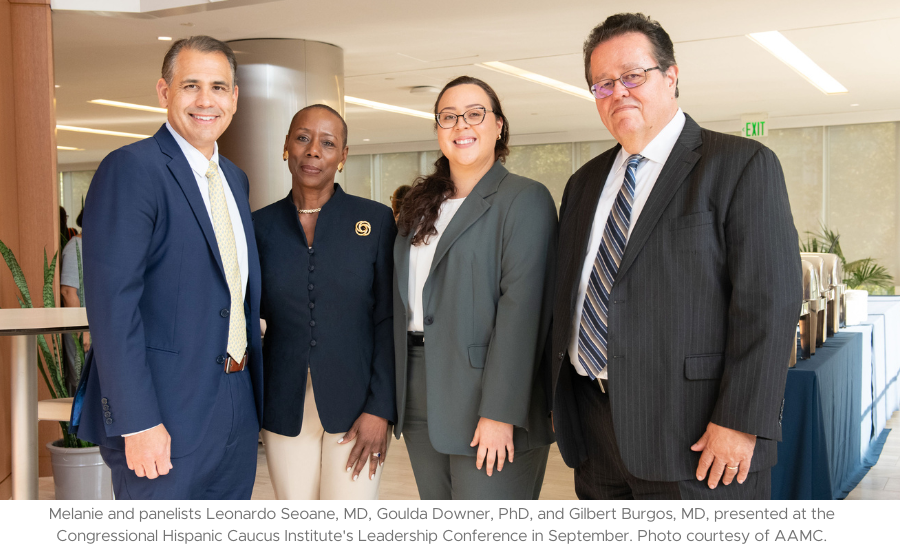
{"type": "Point", "coordinates": [172, 388]}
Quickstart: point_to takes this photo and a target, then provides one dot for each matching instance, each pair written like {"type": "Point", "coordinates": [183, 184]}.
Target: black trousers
{"type": "Point", "coordinates": [604, 475]}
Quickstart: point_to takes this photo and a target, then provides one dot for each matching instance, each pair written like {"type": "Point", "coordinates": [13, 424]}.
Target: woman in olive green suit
{"type": "Point", "coordinates": [473, 264]}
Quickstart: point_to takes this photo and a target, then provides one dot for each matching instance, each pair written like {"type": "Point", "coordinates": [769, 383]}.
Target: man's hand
{"type": "Point", "coordinates": [723, 450]}
{"type": "Point", "coordinates": [148, 453]}
{"type": "Point", "coordinates": [371, 435]}
{"type": "Point", "coordinates": [495, 441]}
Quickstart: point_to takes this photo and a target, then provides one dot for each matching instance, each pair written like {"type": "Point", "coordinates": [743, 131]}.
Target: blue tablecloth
{"type": "Point", "coordinates": [819, 456]}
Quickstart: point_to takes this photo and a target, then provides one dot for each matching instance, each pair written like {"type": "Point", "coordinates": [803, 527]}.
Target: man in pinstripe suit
{"type": "Point", "coordinates": [678, 289]}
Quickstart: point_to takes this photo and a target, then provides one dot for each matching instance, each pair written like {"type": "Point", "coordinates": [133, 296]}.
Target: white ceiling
{"type": "Point", "coordinates": [392, 45]}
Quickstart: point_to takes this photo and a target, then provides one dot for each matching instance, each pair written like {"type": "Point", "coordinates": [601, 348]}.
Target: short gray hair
{"type": "Point", "coordinates": [623, 23]}
{"type": "Point", "coordinates": [202, 44]}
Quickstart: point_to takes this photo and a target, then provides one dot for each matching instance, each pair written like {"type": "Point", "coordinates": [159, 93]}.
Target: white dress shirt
{"type": "Point", "coordinates": [199, 164]}
{"type": "Point", "coordinates": [420, 258]}
{"type": "Point", "coordinates": [655, 155]}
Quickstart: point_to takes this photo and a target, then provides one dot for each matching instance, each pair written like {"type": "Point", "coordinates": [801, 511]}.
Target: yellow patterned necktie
{"type": "Point", "coordinates": [221, 220]}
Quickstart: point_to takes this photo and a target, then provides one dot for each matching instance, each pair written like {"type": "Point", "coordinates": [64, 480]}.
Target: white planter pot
{"type": "Point", "coordinates": [80, 473]}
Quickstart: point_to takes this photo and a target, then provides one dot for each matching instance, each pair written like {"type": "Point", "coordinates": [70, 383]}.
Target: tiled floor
{"type": "Point", "coordinates": [881, 483]}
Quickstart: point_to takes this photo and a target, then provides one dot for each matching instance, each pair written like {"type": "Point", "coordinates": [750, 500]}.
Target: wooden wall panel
{"type": "Point", "coordinates": [29, 195]}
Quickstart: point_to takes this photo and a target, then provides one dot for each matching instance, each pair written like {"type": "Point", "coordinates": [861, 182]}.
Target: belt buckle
{"type": "Point", "coordinates": [229, 362]}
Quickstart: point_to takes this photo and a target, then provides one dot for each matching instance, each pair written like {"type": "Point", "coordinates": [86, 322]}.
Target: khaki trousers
{"type": "Point", "coordinates": [313, 466]}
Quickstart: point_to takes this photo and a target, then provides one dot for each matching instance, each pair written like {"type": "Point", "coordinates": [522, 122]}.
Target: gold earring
{"type": "Point", "coordinates": [340, 167]}
{"type": "Point", "coordinates": [285, 155]}
{"type": "Point", "coordinates": [500, 136]}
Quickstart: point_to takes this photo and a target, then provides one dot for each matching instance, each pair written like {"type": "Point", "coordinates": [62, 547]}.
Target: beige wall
{"type": "Point", "coordinates": [29, 199]}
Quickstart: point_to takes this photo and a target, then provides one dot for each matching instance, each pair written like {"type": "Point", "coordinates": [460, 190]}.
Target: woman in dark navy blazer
{"type": "Point", "coordinates": [327, 273]}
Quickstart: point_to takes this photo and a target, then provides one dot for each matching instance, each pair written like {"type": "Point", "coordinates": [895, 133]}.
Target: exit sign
{"type": "Point", "coordinates": [755, 125]}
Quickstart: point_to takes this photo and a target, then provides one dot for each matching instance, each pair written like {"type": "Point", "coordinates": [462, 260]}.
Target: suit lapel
{"type": "Point", "coordinates": [586, 208]}
{"type": "Point", "coordinates": [471, 209]}
{"type": "Point", "coordinates": [181, 171]}
{"type": "Point", "coordinates": [679, 164]}
{"type": "Point", "coordinates": [401, 268]}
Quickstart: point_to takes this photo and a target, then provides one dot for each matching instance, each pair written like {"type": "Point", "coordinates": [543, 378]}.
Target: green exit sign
{"type": "Point", "coordinates": [755, 125]}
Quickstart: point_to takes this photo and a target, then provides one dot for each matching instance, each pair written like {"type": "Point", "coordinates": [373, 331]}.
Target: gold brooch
{"type": "Point", "coordinates": [363, 228]}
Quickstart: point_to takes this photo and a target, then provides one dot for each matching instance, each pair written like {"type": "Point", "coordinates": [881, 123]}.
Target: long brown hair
{"type": "Point", "coordinates": [422, 204]}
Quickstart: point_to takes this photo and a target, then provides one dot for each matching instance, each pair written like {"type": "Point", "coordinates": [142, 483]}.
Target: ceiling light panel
{"type": "Point", "coordinates": [538, 79]}
{"type": "Point", "coordinates": [101, 132]}
{"type": "Point", "coordinates": [123, 105]}
{"type": "Point", "coordinates": [776, 44]}
{"type": "Point", "coordinates": [389, 108]}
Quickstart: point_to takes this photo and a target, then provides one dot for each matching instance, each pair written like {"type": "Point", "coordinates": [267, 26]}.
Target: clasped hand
{"type": "Point", "coordinates": [723, 449]}
{"type": "Point", "coordinates": [149, 453]}
{"type": "Point", "coordinates": [371, 434]}
{"type": "Point", "coordinates": [495, 443]}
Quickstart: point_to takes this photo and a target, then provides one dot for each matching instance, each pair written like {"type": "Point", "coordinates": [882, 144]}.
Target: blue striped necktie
{"type": "Point", "coordinates": [594, 316]}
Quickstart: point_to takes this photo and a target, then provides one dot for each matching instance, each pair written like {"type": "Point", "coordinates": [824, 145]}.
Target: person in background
{"type": "Point", "coordinates": [677, 295]}
{"type": "Point", "coordinates": [65, 231]}
{"type": "Point", "coordinates": [397, 199]}
{"type": "Point", "coordinates": [327, 273]}
{"type": "Point", "coordinates": [70, 288]}
{"type": "Point", "coordinates": [474, 263]}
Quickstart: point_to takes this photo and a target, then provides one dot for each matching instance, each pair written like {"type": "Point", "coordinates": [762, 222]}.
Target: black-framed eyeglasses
{"type": "Point", "coordinates": [630, 79]}
{"type": "Point", "coordinates": [447, 120]}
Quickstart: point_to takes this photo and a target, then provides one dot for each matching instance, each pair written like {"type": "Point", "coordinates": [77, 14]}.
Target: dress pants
{"type": "Point", "coordinates": [604, 475]}
{"type": "Point", "coordinates": [313, 465]}
{"type": "Point", "coordinates": [223, 467]}
{"type": "Point", "coordinates": [442, 476]}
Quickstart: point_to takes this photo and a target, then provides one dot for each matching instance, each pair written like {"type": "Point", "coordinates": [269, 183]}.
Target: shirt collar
{"type": "Point", "coordinates": [197, 160]}
{"type": "Point", "coordinates": [660, 147]}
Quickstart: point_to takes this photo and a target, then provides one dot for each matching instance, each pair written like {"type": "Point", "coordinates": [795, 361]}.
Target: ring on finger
{"type": "Point", "coordinates": [376, 455]}
{"type": "Point", "coordinates": [732, 467]}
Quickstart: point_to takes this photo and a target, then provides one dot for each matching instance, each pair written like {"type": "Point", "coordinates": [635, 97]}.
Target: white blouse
{"type": "Point", "coordinates": [420, 258]}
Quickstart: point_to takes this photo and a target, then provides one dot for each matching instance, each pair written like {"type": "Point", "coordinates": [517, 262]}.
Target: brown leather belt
{"type": "Point", "coordinates": [232, 366]}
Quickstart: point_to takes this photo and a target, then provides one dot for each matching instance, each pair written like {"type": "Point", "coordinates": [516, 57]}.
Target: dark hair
{"type": "Point", "coordinates": [326, 108]}
{"type": "Point", "coordinates": [397, 198]}
{"type": "Point", "coordinates": [623, 23]}
{"type": "Point", "coordinates": [202, 44]}
{"type": "Point", "coordinates": [422, 205]}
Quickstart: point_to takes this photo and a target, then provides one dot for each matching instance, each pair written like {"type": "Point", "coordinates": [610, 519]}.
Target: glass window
{"type": "Point", "coordinates": [549, 164]}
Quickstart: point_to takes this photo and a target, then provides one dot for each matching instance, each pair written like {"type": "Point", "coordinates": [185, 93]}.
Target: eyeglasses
{"type": "Point", "coordinates": [631, 79]}
{"type": "Point", "coordinates": [447, 120]}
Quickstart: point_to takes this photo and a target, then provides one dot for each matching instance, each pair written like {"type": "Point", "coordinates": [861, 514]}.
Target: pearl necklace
{"type": "Point", "coordinates": [310, 211]}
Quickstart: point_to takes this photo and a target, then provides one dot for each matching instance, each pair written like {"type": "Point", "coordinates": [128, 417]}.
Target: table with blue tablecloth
{"type": "Point", "coordinates": [819, 455]}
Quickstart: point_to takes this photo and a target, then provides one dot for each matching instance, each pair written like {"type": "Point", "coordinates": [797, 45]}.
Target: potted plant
{"type": "Point", "coordinates": [79, 472]}
{"type": "Point", "coordinates": [864, 274]}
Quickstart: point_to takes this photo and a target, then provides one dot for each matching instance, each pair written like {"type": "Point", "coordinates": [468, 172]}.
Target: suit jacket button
{"type": "Point", "coordinates": [220, 359]}
{"type": "Point", "coordinates": [312, 343]}
{"type": "Point", "coordinates": [224, 312]}
{"type": "Point", "coordinates": [109, 421]}
{"type": "Point", "coordinates": [312, 268]}
{"type": "Point", "coordinates": [104, 401]}
{"type": "Point", "coordinates": [561, 354]}
{"type": "Point", "coordinates": [105, 407]}
{"type": "Point", "coordinates": [312, 305]}
{"type": "Point", "coordinates": [428, 320]}
{"type": "Point", "coordinates": [312, 323]}
{"type": "Point", "coordinates": [310, 250]}
{"type": "Point", "coordinates": [311, 286]}
{"type": "Point", "coordinates": [107, 414]}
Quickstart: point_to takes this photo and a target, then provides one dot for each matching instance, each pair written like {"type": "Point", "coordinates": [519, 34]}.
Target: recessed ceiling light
{"type": "Point", "coordinates": [386, 107]}
{"type": "Point", "coordinates": [776, 44]}
{"type": "Point", "coordinates": [123, 105]}
{"type": "Point", "coordinates": [365, 139]}
{"type": "Point", "coordinates": [854, 104]}
{"type": "Point", "coordinates": [188, 24]}
{"type": "Point", "coordinates": [164, 38]}
{"type": "Point", "coordinates": [56, 85]}
{"type": "Point", "coordinates": [64, 148]}
{"type": "Point", "coordinates": [538, 79]}
{"type": "Point", "coordinates": [102, 132]}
